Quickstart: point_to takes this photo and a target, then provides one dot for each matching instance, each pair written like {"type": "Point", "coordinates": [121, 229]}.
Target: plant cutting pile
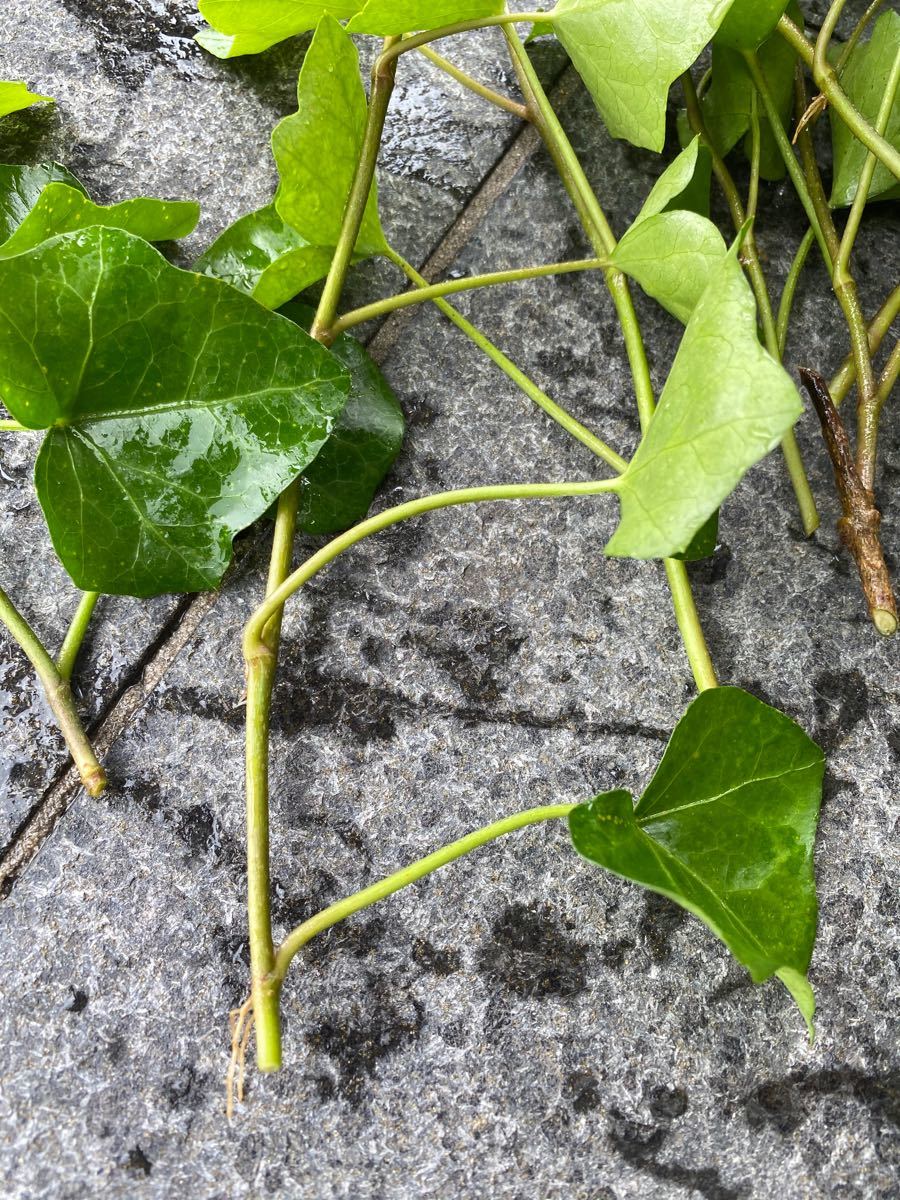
{"type": "Point", "coordinates": [177, 408]}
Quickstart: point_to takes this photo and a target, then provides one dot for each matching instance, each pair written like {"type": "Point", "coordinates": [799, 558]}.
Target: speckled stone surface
{"type": "Point", "coordinates": [520, 1025]}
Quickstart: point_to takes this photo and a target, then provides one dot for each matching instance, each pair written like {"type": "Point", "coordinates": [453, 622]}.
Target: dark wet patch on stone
{"type": "Point", "coordinates": [138, 1161]}
{"type": "Point", "coordinates": [78, 1002]}
{"type": "Point", "coordinates": [660, 921]}
{"type": "Point", "coordinates": [441, 962]}
{"type": "Point", "coordinates": [582, 1091]}
{"type": "Point", "coordinates": [531, 954]}
{"type": "Point", "coordinates": [842, 701]}
{"type": "Point", "coordinates": [133, 36]}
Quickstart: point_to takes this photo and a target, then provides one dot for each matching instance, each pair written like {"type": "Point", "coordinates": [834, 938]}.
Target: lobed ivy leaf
{"type": "Point", "coordinates": [250, 26]}
{"type": "Point", "coordinates": [726, 829]}
{"type": "Point", "coordinates": [61, 208]}
{"type": "Point", "coordinates": [392, 17]}
{"type": "Point", "coordinates": [177, 409]}
{"type": "Point", "coordinates": [340, 482]}
{"type": "Point", "coordinates": [317, 149]}
{"type": "Point", "coordinates": [20, 188]}
{"type": "Point", "coordinates": [864, 80]}
{"type": "Point", "coordinates": [725, 405]}
{"type": "Point", "coordinates": [260, 254]}
{"type": "Point", "coordinates": [748, 23]}
{"type": "Point", "coordinates": [14, 96]}
{"type": "Point", "coordinates": [675, 180]}
{"type": "Point", "coordinates": [629, 52]}
{"type": "Point", "coordinates": [672, 255]}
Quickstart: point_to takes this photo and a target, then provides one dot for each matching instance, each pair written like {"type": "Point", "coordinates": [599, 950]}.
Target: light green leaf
{"type": "Point", "coordinates": [864, 80]}
{"type": "Point", "coordinates": [266, 258]}
{"type": "Point", "coordinates": [674, 181]}
{"type": "Point", "coordinates": [749, 23]}
{"type": "Point", "coordinates": [250, 26]}
{"type": "Point", "coordinates": [538, 30]}
{"type": "Point", "coordinates": [672, 256]}
{"type": "Point", "coordinates": [726, 829]}
{"type": "Point", "coordinates": [338, 485]}
{"type": "Point", "coordinates": [317, 148]}
{"type": "Point", "coordinates": [177, 408]}
{"type": "Point", "coordinates": [15, 96]}
{"type": "Point", "coordinates": [725, 405]}
{"type": "Point", "coordinates": [629, 52]}
{"type": "Point", "coordinates": [20, 188]}
{"type": "Point", "coordinates": [388, 17]}
{"type": "Point", "coordinates": [61, 208]}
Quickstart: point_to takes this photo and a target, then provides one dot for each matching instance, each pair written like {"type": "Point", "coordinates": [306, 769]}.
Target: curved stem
{"type": "Point", "coordinates": [505, 102]}
{"type": "Point", "coordinates": [59, 697]}
{"type": "Point", "coordinates": [563, 418]}
{"type": "Point", "coordinates": [790, 289]}
{"type": "Point", "coordinates": [254, 643]}
{"type": "Point", "coordinates": [450, 287]}
{"type": "Point", "coordinates": [68, 653]}
{"type": "Point", "coordinates": [335, 913]}
{"type": "Point", "coordinates": [434, 35]}
{"type": "Point", "coordinates": [861, 26]}
{"type": "Point", "coordinates": [14, 427]}
{"type": "Point", "coordinates": [878, 329]}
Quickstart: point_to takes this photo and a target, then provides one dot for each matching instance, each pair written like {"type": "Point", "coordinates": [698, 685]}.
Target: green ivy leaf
{"type": "Point", "coordinates": [726, 829]}
{"type": "Point", "coordinates": [538, 30]}
{"type": "Point", "coordinates": [61, 208]}
{"type": "Point", "coordinates": [672, 183]}
{"type": "Point", "coordinates": [20, 188]}
{"type": "Point", "coordinates": [749, 22]}
{"type": "Point", "coordinates": [672, 256]}
{"type": "Point", "coordinates": [340, 482]}
{"type": "Point", "coordinates": [703, 543]}
{"type": "Point", "coordinates": [864, 80]}
{"type": "Point", "coordinates": [391, 17]}
{"type": "Point", "coordinates": [15, 96]}
{"type": "Point", "coordinates": [317, 148]}
{"type": "Point", "coordinates": [263, 256]}
{"type": "Point", "coordinates": [250, 26]}
{"type": "Point", "coordinates": [177, 408]}
{"type": "Point", "coordinates": [725, 405]}
{"type": "Point", "coordinates": [630, 52]}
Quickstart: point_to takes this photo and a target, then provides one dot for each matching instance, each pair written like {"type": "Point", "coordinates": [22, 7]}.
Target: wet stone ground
{"type": "Point", "coordinates": [519, 1025]}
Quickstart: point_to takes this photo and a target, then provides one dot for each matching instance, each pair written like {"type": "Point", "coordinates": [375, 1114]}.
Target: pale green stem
{"type": "Point", "coordinates": [450, 287]}
{"type": "Point", "coordinates": [603, 239]}
{"type": "Point", "coordinates": [254, 644]}
{"type": "Point", "coordinates": [59, 697]}
{"type": "Point", "coordinates": [563, 418]}
{"type": "Point", "coordinates": [473, 85]}
{"type": "Point", "coordinates": [888, 376]}
{"type": "Point", "coordinates": [878, 330]}
{"type": "Point", "coordinates": [68, 653]}
{"type": "Point", "coordinates": [790, 289]}
{"type": "Point", "coordinates": [755, 157]}
{"type": "Point", "coordinates": [851, 43]}
{"type": "Point", "coordinates": [13, 427]}
{"type": "Point", "coordinates": [829, 85]}
{"type": "Point", "coordinates": [434, 35]}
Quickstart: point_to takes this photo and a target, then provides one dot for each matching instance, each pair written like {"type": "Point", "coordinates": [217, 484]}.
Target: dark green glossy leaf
{"type": "Point", "coordinates": [340, 482]}
{"type": "Point", "coordinates": [61, 208]}
{"type": "Point", "coordinates": [704, 542]}
{"type": "Point", "coordinates": [387, 17]}
{"type": "Point", "coordinates": [263, 256]}
{"type": "Point", "coordinates": [20, 189]}
{"type": "Point", "coordinates": [178, 409]}
{"type": "Point", "coordinates": [749, 23]}
{"type": "Point", "coordinates": [14, 96]}
{"type": "Point", "coordinates": [249, 26]}
{"type": "Point", "coordinates": [725, 404]}
{"type": "Point", "coordinates": [726, 829]}
{"type": "Point", "coordinates": [630, 52]}
{"type": "Point", "coordinates": [317, 148]}
{"type": "Point", "coordinates": [864, 81]}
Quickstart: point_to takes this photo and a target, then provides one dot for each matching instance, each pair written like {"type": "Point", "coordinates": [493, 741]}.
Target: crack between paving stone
{"type": "Point", "coordinates": [175, 634]}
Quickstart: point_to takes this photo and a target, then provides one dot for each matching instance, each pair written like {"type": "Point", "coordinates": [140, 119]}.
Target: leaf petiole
{"type": "Point", "coordinates": [75, 634]}
{"type": "Point", "coordinates": [14, 427]}
{"type": "Point", "coordinates": [473, 85]}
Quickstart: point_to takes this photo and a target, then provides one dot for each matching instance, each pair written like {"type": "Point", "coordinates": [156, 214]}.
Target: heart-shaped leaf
{"type": "Point", "coordinates": [61, 208]}
{"type": "Point", "coordinates": [178, 409]}
{"type": "Point", "coordinates": [672, 255]}
{"type": "Point", "coordinates": [388, 17]}
{"type": "Point", "coordinates": [726, 829]}
{"type": "Point", "coordinates": [629, 52]}
{"type": "Point", "coordinates": [250, 26]}
{"type": "Point", "coordinates": [338, 485]}
{"type": "Point", "coordinates": [14, 96]}
{"type": "Point", "coordinates": [864, 80]}
{"type": "Point", "coordinates": [317, 148]}
{"type": "Point", "coordinates": [20, 189]}
{"type": "Point", "coordinates": [725, 404]}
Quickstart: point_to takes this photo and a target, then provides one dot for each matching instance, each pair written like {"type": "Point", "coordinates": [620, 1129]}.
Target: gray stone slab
{"type": "Point", "coordinates": [141, 109]}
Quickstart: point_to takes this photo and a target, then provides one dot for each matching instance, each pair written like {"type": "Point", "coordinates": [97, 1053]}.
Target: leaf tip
{"type": "Point", "coordinates": [803, 996]}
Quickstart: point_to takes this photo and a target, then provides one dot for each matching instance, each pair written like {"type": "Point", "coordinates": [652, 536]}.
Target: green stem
{"type": "Point", "coordinates": [878, 329]}
{"type": "Point", "coordinates": [59, 697]}
{"type": "Point", "coordinates": [851, 43]}
{"type": "Point", "coordinates": [829, 85]}
{"type": "Point", "coordinates": [466, 81]}
{"type": "Point", "coordinates": [254, 643]}
{"type": "Point", "coordinates": [68, 653]}
{"type": "Point", "coordinates": [888, 376]}
{"type": "Point", "coordinates": [14, 427]}
{"type": "Point", "coordinates": [335, 913]}
{"type": "Point", "coordinates": [450, 287]}
{"type": "Point", "coordinates": [806, 501]}
{"type": "Point", "coordinates": [755, 157]}
{"type": "Point", "coordinates": [261, 671]}
{"type": "Point", "coordinates": [443, 31]}
{"type": "Point", "coordinates": [563, 418]}
{"type": "Point", "coordinates": [790, 289]}
{"type": "Point", "coordinates": [601, 236]}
